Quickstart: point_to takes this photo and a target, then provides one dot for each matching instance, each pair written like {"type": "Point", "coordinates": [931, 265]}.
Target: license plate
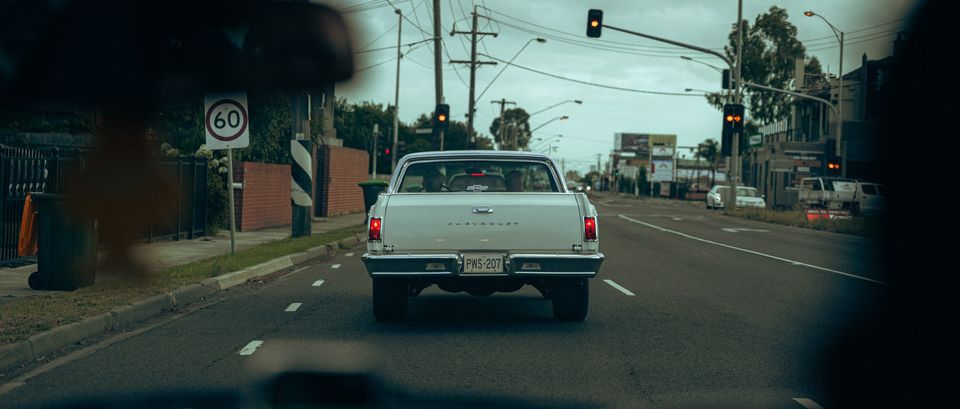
{"type": "Point", "coordinates": [483, 263]}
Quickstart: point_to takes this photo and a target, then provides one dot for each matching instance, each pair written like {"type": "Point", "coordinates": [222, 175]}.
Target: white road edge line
{"type": "Point", "coordinates": [796, 263]}
{"type": "Point", "coordinates": [250, 348]}
{"type": "Point", "coordinates": [335, 266]}
{"type": "Point", "coordinates": [300, 269]}
{"type": "Point", "coordinates": [619, 287]}
{"type": "Point", "coordinates": [293, 307]}
{"type": "Point", "coordinates": [317, 283]}
{"type": "Point", "coordinates": [808, 403]}
{"type": "Point", "coordinates": [349, 254]}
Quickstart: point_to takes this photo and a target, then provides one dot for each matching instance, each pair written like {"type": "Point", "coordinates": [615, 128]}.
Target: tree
{"type": "Point", "coordinates": [709, 151]}
{"type": "Point", "coordinates": [516, 122]}
{"type": "Point", "coordinates": [770, 49]}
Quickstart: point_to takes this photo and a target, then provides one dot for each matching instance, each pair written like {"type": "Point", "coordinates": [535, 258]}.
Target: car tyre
{"type": "Point", "coordinates": [571, 299]}
{"type": "Point", "coordinates": [389, 300]}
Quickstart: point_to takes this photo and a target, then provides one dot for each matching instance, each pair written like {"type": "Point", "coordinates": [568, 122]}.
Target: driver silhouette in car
{"type": "Point", "coordinates": [514, 181]}
{"type": "Point", "coordinates": [433, 181]}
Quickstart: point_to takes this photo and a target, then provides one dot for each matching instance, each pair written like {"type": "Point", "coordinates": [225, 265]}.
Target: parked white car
{"type": "Point", "coordinates": [746, 197]}
{"type": "Point", "coordinates": [827, 192]}
{"type": "Point", "coordinates": [481, 222]}
{"type": "Point", "coordinates": [870, 199]}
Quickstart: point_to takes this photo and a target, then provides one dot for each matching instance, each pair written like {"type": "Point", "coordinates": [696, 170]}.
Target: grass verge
{"type": "Point", "coordinates": [858, 226]}
{"type": "Point", "coordinates": [22, 319]}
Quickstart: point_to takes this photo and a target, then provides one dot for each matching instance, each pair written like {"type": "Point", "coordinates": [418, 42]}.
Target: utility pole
{"type": "Point", "coordinates": [473, 71]}
{"type": "Point", "coordinates": [437, 67]}
{"type": "Point", "coordinates": [396, 96]}
{"type": "Point", "coordinates": [503, 103]}
{"type": "Point", "coordinates": [376, 135]}
{"type": "Point", "coordinates": [734, 169]}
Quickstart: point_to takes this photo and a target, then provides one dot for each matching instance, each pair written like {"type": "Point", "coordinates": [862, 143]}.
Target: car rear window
{"type": "Point", "coordinates": [478, 176]}
{"type": "Point", "coordinates": [869, 189]}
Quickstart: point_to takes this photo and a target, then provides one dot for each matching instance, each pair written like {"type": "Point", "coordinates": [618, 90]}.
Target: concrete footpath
{"type": "Point", "coordinates": [160, 255]}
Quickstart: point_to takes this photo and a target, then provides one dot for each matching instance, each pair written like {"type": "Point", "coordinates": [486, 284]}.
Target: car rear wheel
{"type": "Point", "coordinates": [389, 299]}
{"type": "Point", "coordinates": [571, 299]}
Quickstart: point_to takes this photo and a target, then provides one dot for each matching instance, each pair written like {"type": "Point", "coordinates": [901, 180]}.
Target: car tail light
{"type": "Point", "coordinates": [375, 223]}
{"type": "Point", "coordinates": [590, 228]}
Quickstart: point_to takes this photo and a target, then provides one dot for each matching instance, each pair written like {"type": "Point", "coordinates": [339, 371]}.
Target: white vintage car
{"type": "Point", "coordinates": [481, 222]}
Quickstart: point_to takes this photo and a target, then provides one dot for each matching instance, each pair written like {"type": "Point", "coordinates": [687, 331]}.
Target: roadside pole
{"type": "Point", "coordinates": [396, 96]}
{"type": "Point", "coordinates": [437, 67]}
{"type": "Point", "coordinates": [376, 132]}
{"type": "Point", "coordinates": [734, 168]}
{"type": "Point", "coordinates": [233, 211]}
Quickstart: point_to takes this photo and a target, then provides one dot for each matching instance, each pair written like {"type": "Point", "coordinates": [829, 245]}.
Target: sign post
{"type": "Point", "coordinates": [227, 125]}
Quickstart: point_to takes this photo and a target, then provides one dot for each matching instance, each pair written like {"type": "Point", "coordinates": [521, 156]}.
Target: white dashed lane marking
{"type": "Point", "coordinates": [318, 283]}
{"type": "Point", "coordinates": [250, 348]}
{"type": "Point", "coordinates": [335, 266]}
{"type": "Point", "coordinates": [293, 307]}
{"type": "Point", "coordinates": [349, 254]}
{"type": "Point", "coordinates": [808, 403]}
{"type": "Point", "coordinates": [619, 287]}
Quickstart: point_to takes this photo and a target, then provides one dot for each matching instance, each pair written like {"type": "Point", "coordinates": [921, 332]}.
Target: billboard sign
{"type": "Point", "coordinates": [662, 170]}
{"type": "Point", "coordinates": [660, 150]}
{"type": "Point", "coordinates": [632, 142]}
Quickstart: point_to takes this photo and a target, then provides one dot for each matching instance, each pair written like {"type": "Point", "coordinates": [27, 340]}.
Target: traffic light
{"type": "Point", "coordinates": [386, 151]}
{"type": "Point", "coordinates": [441, 117]}
{"type": "Point", "coordinates": [834, 166]}
{"type": "Point", "coordinates": [594, 23]}
{"type": "Point", "coordinates": [726, 79]}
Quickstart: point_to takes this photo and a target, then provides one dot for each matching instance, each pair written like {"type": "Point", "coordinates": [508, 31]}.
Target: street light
{"type": "Point", "coordinates": [577, 101]}
{"type": "Point", "coordinates": [701, 62]}
{"type": "Point", "coordinates": [839, 35]}
{"type": "Point", "coordinates": [562, 118]}
{"type": "Point", "coordinates": [538, 39]}
{"type": "Point", "coordinates": [698, 90]}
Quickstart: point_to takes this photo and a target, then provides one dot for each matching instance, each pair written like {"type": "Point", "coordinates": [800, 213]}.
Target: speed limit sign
{"type": "Point", "coordinates": [226, 120]}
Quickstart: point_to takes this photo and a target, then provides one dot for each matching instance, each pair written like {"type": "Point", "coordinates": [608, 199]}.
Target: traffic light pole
{"type": "Point", "coordinates": [437, 67]}
{"type": "Point", "coordinates": [732, 170]}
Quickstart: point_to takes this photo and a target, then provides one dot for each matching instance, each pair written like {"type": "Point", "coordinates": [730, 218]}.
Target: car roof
{"type": "Point", "coordinates": [475, 154]}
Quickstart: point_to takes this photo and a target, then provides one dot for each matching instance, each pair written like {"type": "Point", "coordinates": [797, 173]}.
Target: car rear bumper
{"type": "Point", "coordinates": [451, 265]}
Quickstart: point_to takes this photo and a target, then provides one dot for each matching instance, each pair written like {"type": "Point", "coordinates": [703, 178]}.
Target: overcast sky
{"type": "Point", "coordinates": [652, 66]}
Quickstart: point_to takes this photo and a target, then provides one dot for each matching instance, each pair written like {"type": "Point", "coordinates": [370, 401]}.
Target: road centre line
{"type": "Point", "coordinates": [808, 403]}
{"type": "Point", "coordinates": [335, 266]}
{"type": "Point", "coordinates": [619, 287]}
{"type": "Point", "coordinates": [250, 348]}
{"type": "Point", "coordinates": [796, 263]}
{"type": "Point", "coordinates": [293, 307]}
{"type": "Point", "coordinates": [317, 283]}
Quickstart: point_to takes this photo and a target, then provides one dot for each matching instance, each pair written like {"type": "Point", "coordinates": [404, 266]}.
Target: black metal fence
{"type": "Point", "coordinates": [41, 169]}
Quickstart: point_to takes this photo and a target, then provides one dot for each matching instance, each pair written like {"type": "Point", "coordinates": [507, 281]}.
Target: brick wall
{"type": "Point", "coordinates": [265, 198]}
{"type": "Point", "coordinates": [342, 169]}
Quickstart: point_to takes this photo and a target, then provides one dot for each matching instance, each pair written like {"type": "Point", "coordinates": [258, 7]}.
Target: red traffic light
{"type": "Point", "coordinates": [386, 151]}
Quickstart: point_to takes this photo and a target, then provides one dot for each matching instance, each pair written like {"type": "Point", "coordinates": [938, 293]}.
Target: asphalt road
{"type": "Point", "coordinates": [716, 317]}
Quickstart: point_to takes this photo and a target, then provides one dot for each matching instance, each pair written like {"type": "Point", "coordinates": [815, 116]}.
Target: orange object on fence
{"type": "Point", "coordinates": [27, 245]}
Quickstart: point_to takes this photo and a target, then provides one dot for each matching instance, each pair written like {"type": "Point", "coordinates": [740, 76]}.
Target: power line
{"type": "Point", "coordinates": [641, 91]}
{"type": "Point", "coordinates": [379, 36]}
{"type": "Point", "coordinates": [878, 36]}
{"type": "Point", "coordinates": [393, 47]}
{"type": "Point", "coordinates": [854, 38]}
{"type": "Point", "coordinates": [412, 49]}
{"type": "Point", "coordinates": [367, 6]}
